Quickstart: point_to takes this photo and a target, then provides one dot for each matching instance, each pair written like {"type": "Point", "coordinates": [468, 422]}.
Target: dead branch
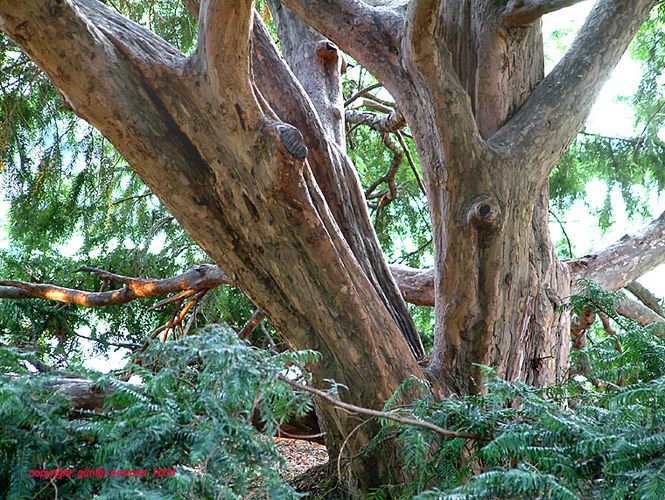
{"type": "Point", "coordinates": [361, 93]}
{"type": "Point", "coordinates": [409, 159]}
{"type": "Point", "coordinates": [197, 278]}
{"type": "Point", "coordinates": [251, 325]}
{"type": "Point", "coordinates": [607, 326]}
{"type": "Point", "coordinates": [388, 122]}
{"type": "Point", "coordinates": [351, 408]}
{"type": "Point", "coordinates": [389, 176]}
{"type": "Point", "coordinates": [578, 334]}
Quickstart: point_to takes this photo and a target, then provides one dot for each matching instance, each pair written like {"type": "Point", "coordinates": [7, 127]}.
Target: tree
{"type": "Point", "coordinates": [245, 147]}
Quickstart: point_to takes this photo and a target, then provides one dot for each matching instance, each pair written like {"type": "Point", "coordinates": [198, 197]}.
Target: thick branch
{"type": "Point", "coordinates": [318, 65]}
{"type": "Point", "coordinates": [624, 261]}
{"type": "Point", "coordinates": [84, 394]}
{"type": "Point", "coordinates": [335, 175]}
{"type": "Point", "coordinates": [645, 296]}
{"type": "Point", "coordinates": [383, 123]}
{"type": "Point", "coordinates": [525, 12]}
{"type": "Point", "coordinates": [636, 311]}
{"type": "Point", "coordinates": [369, 34]}
{"type": "Point", "coordinates": [547, 123]}
{"type": "Point", "coordinates": [451, 103]}
{"type": "Point", "coordinates": [224, 39]}
{"type": "Point", "coordinates": [416, 285]}
{"type": "Point", "coordinates": [196, 278]}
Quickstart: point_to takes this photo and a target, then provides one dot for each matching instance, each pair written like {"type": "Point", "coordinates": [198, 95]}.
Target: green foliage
{"type": "Point", "coordinates": [192, 412]}
{"type": "Point", "coordinates": [575, 440]}
{"type": "Point", "coordinates": [622, 163]}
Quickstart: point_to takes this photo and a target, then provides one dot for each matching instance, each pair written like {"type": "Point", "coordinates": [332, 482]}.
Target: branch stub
{"type": "Point", "coordinates": [485, 212]}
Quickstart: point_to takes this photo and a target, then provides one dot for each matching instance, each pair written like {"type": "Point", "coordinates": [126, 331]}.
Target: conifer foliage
{"type": "Point", "coordinates": [192, 414]}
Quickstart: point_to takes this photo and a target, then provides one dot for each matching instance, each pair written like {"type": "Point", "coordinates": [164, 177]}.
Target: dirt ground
{"type": "Point", "coordinates": [301, 456]}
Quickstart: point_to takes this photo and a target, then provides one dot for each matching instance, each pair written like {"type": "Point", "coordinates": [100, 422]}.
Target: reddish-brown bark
{"type": "Point", "coordinates": [255, 171]}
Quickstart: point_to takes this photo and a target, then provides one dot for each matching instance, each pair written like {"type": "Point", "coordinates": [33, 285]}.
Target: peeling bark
{"type": "Point", "coordinates": [335, 176]}
{"type": "Point", "coordinates": [254, 169]}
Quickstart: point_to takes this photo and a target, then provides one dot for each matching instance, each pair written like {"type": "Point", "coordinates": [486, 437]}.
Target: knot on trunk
{"type": "Point", "coordinates": [292, 140]}
{"type": "Point", "coordinates": [485, 212]}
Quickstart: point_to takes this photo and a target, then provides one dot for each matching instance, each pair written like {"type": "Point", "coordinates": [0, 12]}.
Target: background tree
{"type": "Point", "coordinates": [246, 150]}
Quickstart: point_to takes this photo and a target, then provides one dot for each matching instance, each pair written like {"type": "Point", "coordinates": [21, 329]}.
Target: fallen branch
{"type": "Point", "coordinates": [351, 408]}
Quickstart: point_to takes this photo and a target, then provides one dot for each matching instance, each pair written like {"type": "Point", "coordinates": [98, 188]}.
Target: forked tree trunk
{"type": "Point", "coordinates": [498, 279]}
{"type": "Point", "coordinates": [280, 210]}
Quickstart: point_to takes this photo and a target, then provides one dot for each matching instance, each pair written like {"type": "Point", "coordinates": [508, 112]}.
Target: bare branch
{"type": "Point", "coordinates": [645, 296]}
{"type": "Point", "coordinates": [416, 285]}
{"type": "Point", "coordinates": [383, 123]}
{"type": "Point", "coordinates": [636, 311]}
{"type": "Point", "coordinates": [607, 326]}
{"type": "Point", "coordinates": [13, 293]}
{"type": "Point", "coordinates": [547, 123]}
{"type": "Point", "coordinates": [412, 164]}
{"type": "Point", "coordinates": [361, 93]}
{"type": "Point", "coordinates": [251, 325]}
{"type": "Point", "coordinates": [525, 12]}
{"type": "Point", "coordinates": [196, 278]}
{"type": "Point", "coordinates": [224, 41]}
{"type": "Point", "coordinates": [108, 276]}
{"type": "Point", "coordinates": [383, 414]}
{"type": "Point", "coordinates": [624, 261]}
{"type": "Point", "coordinates": [389, 176]}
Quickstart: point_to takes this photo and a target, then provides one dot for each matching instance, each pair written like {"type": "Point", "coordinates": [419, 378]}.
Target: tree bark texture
{"type": "Point", "coordinates": [245, 148]}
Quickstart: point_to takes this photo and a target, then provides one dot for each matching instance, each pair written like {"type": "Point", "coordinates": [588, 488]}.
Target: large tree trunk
{"type": "Point", "coordinates": [283, 214]}
{"type": "Point", "coordinates": [497, 277]}
{"type": "Point", "coordinates": [235, 177]}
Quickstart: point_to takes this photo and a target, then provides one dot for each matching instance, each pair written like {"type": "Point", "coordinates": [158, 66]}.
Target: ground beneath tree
{"type": "Point", "coordinates": [306, 468]}
{"type": "Point", "coordinates": [301, 456]}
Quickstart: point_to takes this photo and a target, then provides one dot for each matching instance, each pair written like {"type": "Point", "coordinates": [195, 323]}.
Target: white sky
{"type": "Point", "coordinates": [608, 117]}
